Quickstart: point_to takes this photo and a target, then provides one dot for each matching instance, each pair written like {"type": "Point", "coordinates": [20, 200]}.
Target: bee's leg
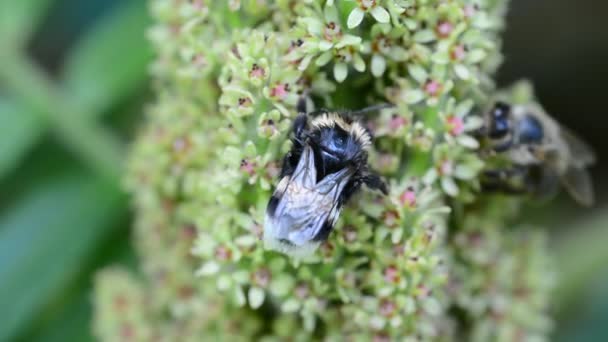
{"type": "Point", "coordinates": [349, 190]}
{"type": "Point", "coordinates": [375, 182]}
{"type": "Point", "coordinates": [489, 186]}
{"type": "Point", "coordinates": [301, 106]}
{"type": "Point", "coordinates": [507, 173]}
{"type": "Point", "coordinates": [543, 182]}
{"type": "Point", "coordinates": [289, 165]}
{"type": "Point", "coordinates": [300, 124]}
{"type": "Point", "coordinates": [371, 180]}
{"type": "Point", "coordinates": [502, 180]}
{"type": "Point", "coordinates": [299, 129]}
{"type": "Point", "coordinates": [480, 133]}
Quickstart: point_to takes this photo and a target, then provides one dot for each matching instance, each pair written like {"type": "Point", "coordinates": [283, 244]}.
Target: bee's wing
{"type": "Point", "coordinates": [578, 183]}
{"type": "Point", "coordinates": [305, 174]}
{"type": "Point", "coordinates": [305, 217]}
{"type": "Point", "coordinates": [581, 153]}
{"type": "Point", "coordinates": [304, 213]}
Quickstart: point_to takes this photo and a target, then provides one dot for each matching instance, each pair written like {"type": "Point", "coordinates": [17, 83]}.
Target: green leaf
{"type": "Point", "coordinates": [69, 317]}
{"type": "Point", "coordinates": [581, 255]}
{"type": "Point", "coordinates": [74, 324]}
{"type": "Point", "coordinates": [19, 18]}
{"type": "Point", "coordinates": [110, 62]}
{"type": "Point", "coordinates": [94, 144]}
{"type": "Point", "coordinates": [45, 239]}
{"type": "Point", "coordinates": [585, 320]}
{"type": "Point", "coordinates": [19, 131]}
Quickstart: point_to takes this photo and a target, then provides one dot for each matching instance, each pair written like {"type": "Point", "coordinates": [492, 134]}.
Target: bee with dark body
{"type": "Point", "coordinates": [540, 152]}
{"type": "Point", "coordinates": [325, 167]}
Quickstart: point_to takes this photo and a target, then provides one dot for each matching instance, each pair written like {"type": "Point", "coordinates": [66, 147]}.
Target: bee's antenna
{"type": "Point", "coordinates": [371, 109]}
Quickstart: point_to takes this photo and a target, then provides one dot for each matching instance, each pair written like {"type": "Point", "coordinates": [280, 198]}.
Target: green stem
{"type": "Point", "coordinates": [93, 144]}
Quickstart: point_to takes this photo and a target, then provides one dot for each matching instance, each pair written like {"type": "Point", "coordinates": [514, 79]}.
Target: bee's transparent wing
{"type": "Point", "coordinates": [305, 174]}
{"type": "Point", "coordinates": [576, 179]}
{"type": "Point", "coordinates": [577, 182]}
{"type": "Point", "coordinates": [581, 153]}
{"type": "Point", "coordinates": [305, 217]}
{"type": "Point", "coordinates": [304, 211]}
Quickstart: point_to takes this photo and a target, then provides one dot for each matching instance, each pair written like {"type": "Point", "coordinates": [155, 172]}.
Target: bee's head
{"type": "Point", "coordinates": [338, 140]}
{"type": "Point", "coordinates": [530, 130]}
{"type": "Point", "coordinates": [500, 121]}
{"type": "Point", "coordinates": [499, 126]}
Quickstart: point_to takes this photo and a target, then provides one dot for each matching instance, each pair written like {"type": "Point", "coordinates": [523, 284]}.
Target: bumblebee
{"type": "Point", "coordinates": [540, 154]}
{"type": "Point", "coordinates": [325, 167]}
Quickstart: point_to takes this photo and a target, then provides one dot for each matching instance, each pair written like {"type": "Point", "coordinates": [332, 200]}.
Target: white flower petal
{"type": "Point", "coordinates": [418, 73]}
{"type": "Point", "coordinates": [331, 14]}
{"type": "Point", "coordinates": [246, 240]}
{"type": "Point", "coordinates": [340, 72]}
{"type": "Point", "coordinates": [324, 45]}
{"type": "Point", "coordinates": [468, 141]}
{"type": "Point", "coordinates": [476, 56]}
{"type": "Point", "coordinates": [463, 108]}
{"type": "Point", "coordinates": [305, 62]}
{"type": "Point", "coordinates": [355, 17]}
{"type": "Point", "coordinates": [314, 26]}
{"type": "Point", "coordinates": [378, 65]}
{"type": "Point", "coordinates": [209, 268]}
{"type": "Point", "coordinates": [324, 58]}
{"type": "Point", "coordinates": [430, 177]}
{"type": "Point", "coordinates": [441, 57]}
{"type": "Point", "coordinates": [462, 72]}
{"type": "Point", "coordinates": [449, 186]}
{"type": "Point", "coordinates": [414, 96]}
{"type": "Point", "coordinates": [380, 14]}
{"type": "Point", "coordinates": [472, 123]}
{"type": "Point", "coordinates": [424, 36]}
{"type": "Point", "coordinates": [223, 282]}
{"type": "Point", "coordinates": [358, 63]}
{"type": "Point", "coordinates": [290, 305]}
{"type": "Point", "coordinates": [239, 296]}
{"type": "Point", "coordinates": [396, 236]}
{"type": "Point", "coordinates": [432, 306]}
{"type": "Point", "coordinates": [256, 297]}
{"type": "Point", "coordinates": [349, 39]}
{"type": "Point", "coordinates": [464, 172]}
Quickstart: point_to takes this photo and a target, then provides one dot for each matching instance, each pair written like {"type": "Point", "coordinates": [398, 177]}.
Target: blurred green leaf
{"type": "Point", "coordinates": [19, 131]}
{"type": "Point", "coordinates": [19, 18]}
{"type": "Point", "coordinates": [74, 324]}
{"type": "Point", "coordinates": [587, 321]}
{"type": "Point", "coordinates": [111, 60]}
{"type": "Point", "coordinates": [45, 238]}
{"type": "Point", "coordinates": [69, 318]}
{"type": "Point", "coordinates": [97, 146]}
{"type": "Point", "coordinates": [581, 255]}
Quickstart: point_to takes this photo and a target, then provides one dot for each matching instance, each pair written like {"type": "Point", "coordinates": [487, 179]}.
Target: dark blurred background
{"type": "Point", "coordinates": [73, 82]}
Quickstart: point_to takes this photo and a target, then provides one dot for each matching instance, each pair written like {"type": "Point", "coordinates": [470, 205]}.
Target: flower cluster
{"type": "Point", "coordinates": [508, 297]}
{"type": "Point", "coordinates": [396, 267]}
